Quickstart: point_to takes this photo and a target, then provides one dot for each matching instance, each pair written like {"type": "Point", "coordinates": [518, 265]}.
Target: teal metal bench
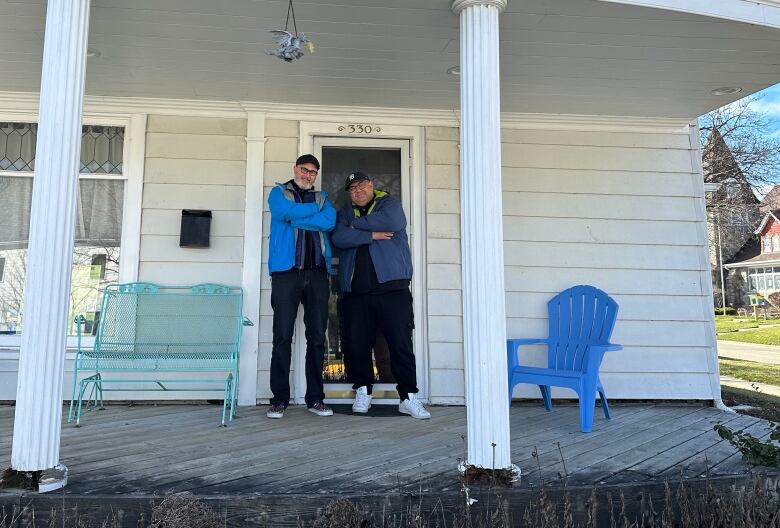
{"type": "Point", "coordinates": [145, 327]}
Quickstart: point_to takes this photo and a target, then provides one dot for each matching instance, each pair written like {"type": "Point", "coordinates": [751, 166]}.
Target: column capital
{"type": "Point", "coordinates": [460, 5]}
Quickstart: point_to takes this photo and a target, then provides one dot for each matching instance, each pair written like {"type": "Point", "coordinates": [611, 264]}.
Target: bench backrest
{"type": "Point", "coordinates": [578, 317]}
{"type": "Point", "coordinates": [143, 320]}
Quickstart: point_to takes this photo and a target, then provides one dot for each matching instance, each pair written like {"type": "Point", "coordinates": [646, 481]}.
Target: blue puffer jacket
{"type": "Point", "coordinates": [392, 258]}
{"type": "Point", "coordinates": [287, 217]}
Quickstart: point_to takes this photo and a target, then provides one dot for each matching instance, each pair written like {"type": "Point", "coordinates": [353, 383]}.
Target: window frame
{"type": "Point", "coordinates": [2, 268]}
{"type": "Point", "coordinates": [133, 159]}
{"type": "Point", "coordinates": [766, 244]}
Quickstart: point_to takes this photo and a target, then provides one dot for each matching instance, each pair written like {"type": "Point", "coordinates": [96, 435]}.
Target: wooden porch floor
{"type": "Point", "coordinates": [175, 448]}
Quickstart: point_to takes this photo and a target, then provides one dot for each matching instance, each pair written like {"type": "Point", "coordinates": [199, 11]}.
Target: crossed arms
{"type": "Point", "coordinates": [352, 232]}
{"type": "Point", "coordinates": [306, 216]}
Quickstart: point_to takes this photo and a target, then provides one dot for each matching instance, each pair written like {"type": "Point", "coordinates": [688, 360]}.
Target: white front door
{"type": "Point", "coordinates": [387, 161]}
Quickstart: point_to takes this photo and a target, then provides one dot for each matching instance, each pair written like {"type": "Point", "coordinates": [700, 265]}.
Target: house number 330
{"type": "Point", "coordinates": [359, 129]}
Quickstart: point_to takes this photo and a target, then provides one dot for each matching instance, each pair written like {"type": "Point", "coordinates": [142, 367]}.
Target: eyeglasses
{"type": "Point", "coordinates": [358, 187]}
{"type": "Point", "coordinates": [306, 171]}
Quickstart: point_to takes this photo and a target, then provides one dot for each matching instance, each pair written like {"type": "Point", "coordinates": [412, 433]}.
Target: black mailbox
{"type": "Point", "coordinates": [195, 227]}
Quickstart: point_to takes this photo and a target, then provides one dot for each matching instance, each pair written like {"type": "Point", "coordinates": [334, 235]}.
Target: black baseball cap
{"type": "Point", "coordinates": [308, 158]}
{"type": "Point", "coordinates": [354, 178]}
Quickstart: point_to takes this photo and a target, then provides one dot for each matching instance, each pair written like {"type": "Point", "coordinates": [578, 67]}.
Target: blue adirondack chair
{"type": "Point", "coordinates": [581, 320]}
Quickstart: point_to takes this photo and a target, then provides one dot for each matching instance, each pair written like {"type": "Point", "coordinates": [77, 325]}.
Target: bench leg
{"type": "Point", "coordinates": [233, 391]}
{"type": "Point", "coordinates": [73, 395]}
{"type": "Point", "coordinates": [225, 398]}
{"type": "Point", "coordinates": [83, 388]}
{"type": "Point", "coordinates": [99, 393]}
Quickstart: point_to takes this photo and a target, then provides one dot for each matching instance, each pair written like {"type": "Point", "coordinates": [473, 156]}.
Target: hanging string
{"type": "Point", "coordinates": [291, 10]}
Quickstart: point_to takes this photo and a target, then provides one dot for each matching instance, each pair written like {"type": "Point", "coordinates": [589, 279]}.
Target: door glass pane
{"type": "Point", "coordinates": [384, 167]}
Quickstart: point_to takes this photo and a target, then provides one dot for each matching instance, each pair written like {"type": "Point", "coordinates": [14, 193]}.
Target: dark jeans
{"type": "Point", "coordinates": [288, 290]}
{"type": "Point", "coordinates": [391, 312]}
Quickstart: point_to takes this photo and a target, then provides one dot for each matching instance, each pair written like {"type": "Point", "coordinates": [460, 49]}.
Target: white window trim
{"type": "Point", "coordinates": [133, 159]}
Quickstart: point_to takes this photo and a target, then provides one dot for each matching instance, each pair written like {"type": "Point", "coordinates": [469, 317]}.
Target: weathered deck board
{"type": "Point", "coordinates": [572, 441]}
{"type": "Point", "coordinates": [171, 448]}
{"type": "Point", "coordinates": [665, 436]}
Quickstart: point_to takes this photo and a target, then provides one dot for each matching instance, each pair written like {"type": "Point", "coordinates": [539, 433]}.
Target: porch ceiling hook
{"type": "Point", "coordinates": [289, 46]}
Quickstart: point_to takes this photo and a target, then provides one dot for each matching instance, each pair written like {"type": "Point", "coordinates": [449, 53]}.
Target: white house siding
{"type": "Point", "coordinates": [445, 310]}
{"type": "Point", "coordinates": [281, 150]}
{"type": "Point", "coordinates": [192, 163]}
{"type": "Point", "coordinates": [623, 212]}
{"type": "Point", "coordinates": [620, 210]}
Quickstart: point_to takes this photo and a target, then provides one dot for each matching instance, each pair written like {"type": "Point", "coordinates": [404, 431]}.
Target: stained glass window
{"type": "Point", "coordinates": [101, 148]}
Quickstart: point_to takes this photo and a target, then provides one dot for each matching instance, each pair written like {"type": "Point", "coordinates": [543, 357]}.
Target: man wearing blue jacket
{"type": "Point", "coordinates": [375, 271]}
{"type": "Point", "coordinates": [299, 263]}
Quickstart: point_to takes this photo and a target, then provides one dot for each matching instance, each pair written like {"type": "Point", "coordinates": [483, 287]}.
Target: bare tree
{"type": "Point", "coordinates": [745, 130]}
{"type": "Point", "coordinates": [739, 154]}
{"type": "Point", "coordinates": [12, 287]}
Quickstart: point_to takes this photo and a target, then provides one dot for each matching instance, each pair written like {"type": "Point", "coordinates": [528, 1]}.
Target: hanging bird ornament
{"type": "Point", "coordinates": [288, 46]}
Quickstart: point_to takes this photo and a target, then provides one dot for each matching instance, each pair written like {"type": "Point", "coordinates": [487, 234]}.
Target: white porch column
{"type": "Point", "coordinates": [36, 440]}
{"type": "Point", "coordinates": [484, 318]}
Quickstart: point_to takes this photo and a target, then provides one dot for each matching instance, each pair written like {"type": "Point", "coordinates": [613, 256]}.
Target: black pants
{"type": "Point", "coordinates": [391, 312]}
{"type": "Point", "coordinates": [288, 290]}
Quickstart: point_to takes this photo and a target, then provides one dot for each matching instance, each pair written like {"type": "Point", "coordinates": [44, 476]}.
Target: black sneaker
{"type": "Point", "coordinates": [275, 411]}
{"type": "Point", "coordinates": [320, 409]}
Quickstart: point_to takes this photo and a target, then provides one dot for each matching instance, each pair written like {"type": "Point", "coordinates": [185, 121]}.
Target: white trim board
{"type": "Point", "coordinates": [748, 265]}
{"type": "Point", "coordinates": [760, 12]}
{"type": "Point", "coordinates": [707, 300]}
{"type": "Point", "coordinates": [251, 280]}
{"type": "Point", "coordinates": [13, 104]}
{"type": "Point", "coordinates": [764, 222]}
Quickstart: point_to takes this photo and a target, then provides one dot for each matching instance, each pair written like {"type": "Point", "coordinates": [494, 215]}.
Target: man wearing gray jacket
{"type": "Point", "coordinates": [375, 271]}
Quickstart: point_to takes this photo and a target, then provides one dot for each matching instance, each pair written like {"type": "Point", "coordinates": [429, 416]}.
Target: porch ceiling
{"type": "Point", "coordinates": [558, 56]}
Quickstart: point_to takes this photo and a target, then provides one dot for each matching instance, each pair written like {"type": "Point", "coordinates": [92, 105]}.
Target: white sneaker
{"type": "Point", "coordinates": [362, 401]}
{"type": "Point", "coordinates": [414, 408]}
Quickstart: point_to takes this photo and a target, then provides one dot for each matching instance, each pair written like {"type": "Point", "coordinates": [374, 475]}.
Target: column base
{"type": "Point", "coordinates": [53, 479]}
{"type": "Point", "coordinates": [481, 476]}
{"type": "Point", "coordinates": [40, 481]}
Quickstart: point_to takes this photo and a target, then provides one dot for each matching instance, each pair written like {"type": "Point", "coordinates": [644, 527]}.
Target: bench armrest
{"type": "Point", "coordinates": [79, 320]}
{"type": "Point", "coordinates": [247, 322]}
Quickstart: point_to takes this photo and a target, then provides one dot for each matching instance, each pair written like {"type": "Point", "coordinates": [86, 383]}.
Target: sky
{"type": "Point", "coordinates": [770, 104]}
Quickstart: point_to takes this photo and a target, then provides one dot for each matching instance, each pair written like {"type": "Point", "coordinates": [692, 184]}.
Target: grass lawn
{"type": "Point", "coordinates": [765, 406]}
{"type": "Point", "coordinates": [763, 336]}
{"type": "Point", "coordinates": [729, 323]}
{"type": "Point", "coordinates": [750, 371]}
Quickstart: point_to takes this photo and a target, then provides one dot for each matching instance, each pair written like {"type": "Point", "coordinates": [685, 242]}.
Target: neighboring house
{"type": "Point", "coordinates": [733, 211]}
{"type": "Point", "coordinates": [591, 173]}
{"type": "Point", "coordinates": [755, 269]}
